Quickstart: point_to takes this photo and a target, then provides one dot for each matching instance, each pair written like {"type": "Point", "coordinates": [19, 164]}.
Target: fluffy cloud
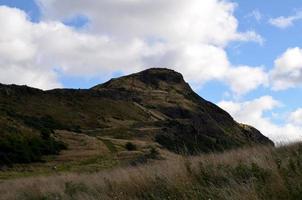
{"type": "Point", "coordinates": [18, 52]}
{"type": "Point", "coordinates": [125, 36]}
{"type": "Point", "coordinates": [207, 21]}
{"type": "Point", "coordinates": [188, 36]}
{"type": "Point", "coordinates": [31, 53]}
{"type": "Point", "coordinates": [253, 113]}
{"type": "Point", "coordinates": [296, 117]}
{"type": "Point", "coordinates": [287, 71]}
{"type": "Point", "coordinates": [243, 79]}
{"type": "Point", "coordinates": [284, 22]}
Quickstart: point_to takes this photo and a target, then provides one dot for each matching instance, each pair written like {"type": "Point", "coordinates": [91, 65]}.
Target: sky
{"type": "Point", "coordinates": [245, 56]}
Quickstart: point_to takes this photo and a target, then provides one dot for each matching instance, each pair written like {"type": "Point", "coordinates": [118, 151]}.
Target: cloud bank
{"type": "Point", "coordinates": [125, 36]}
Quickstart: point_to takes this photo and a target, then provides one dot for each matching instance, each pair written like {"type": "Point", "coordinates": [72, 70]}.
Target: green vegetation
{"type": "Point", "coordinates": [147, 157]}
{"type": "Point", "coordinates": [91, 165]}
{"type": "Point", "coordinates": [25, 139]}
{"type": "Point", "coordinates": [48, 168]}
{"type": "Point", "coordinates": [109, 145]}
{"type": "Point", "coordinates": [25, 148]}
{"type": "Point", "coordinates": [153, 153]}
{"type": "Point", "coordinates": [130, 146]}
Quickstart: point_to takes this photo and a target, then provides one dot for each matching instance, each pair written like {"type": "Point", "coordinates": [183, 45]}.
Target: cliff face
{"type": "Point", "coordinates": [155, 104]}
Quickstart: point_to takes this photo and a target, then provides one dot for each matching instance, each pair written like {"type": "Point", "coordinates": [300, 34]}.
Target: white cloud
{"type": "Point", "coordinates": [207, 21]}
{"type": "Point", "coordinates": [126, 36]}
{"type": "Point", "coordinates": [243, 79]}
{"type": "Point", "coordinates": [287, 71]}
{"type": "Point", "coordinates": [14, 74]}
{"type": "Point", "coordinates": [31, 52]}
{"type": "Point", "coordinates": [188, 36]}
{"type": "Point", "coordinates": [18, 52]}
{"type": "Point", "coordinates": [285, 22]}
{"type": "Point", "coordinates": [252, 112]}
{"type": "Point", "coordinates": [296, 117]}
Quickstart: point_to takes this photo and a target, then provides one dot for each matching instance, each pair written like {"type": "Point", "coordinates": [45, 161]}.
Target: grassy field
{"type": "Point", "coordinates": [252, 173]}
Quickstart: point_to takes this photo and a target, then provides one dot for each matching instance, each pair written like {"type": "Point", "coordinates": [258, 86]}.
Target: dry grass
{"type": "Point", "coordinates": [80, 146]}
{"type": "Point", "coordinates": [253, 173]}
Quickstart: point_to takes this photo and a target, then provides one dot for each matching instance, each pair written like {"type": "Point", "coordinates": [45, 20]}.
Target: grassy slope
{"type": "Point", "coordinates": [254, 173]}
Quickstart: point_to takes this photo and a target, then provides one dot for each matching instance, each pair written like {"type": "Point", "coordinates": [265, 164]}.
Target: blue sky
{"type": "Point", "coordinates": [30, 7]}
{"type": "Point", "coordinates": [243, 55]}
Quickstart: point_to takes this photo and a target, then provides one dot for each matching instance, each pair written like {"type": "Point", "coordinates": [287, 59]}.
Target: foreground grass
{"type": "Point", "coordinates": [253, 173]}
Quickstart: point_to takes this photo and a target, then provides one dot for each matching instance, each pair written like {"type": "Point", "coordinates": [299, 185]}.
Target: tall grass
{"type": "Point", "coordinates": [253, 173]}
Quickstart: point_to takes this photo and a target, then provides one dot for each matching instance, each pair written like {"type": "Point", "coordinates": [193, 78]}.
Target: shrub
{"type": "Point", "coordinates": [23, 148]}
{"type": "Point", "coordinates": [130, 146]}
{"type": "Point", "coordinates": [244, 173]}
{"type": "Point", "coordinates": [153, 154]}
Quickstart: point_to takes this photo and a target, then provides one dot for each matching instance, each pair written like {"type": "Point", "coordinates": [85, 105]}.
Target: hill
{"type": "Point", "coordinates": [153, 106]}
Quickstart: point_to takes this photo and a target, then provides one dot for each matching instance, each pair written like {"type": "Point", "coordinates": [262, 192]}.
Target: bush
{"type": "Point", "coordinates": [44, 123]}
{"type": "Point", "coordinates": [153, 154]}
{"type": "Point", "coordinates": [130, 146]}
{"type": "Point", "coordinates": [244, 173]}
{"type": "Point", "coordinates": [23, 148]}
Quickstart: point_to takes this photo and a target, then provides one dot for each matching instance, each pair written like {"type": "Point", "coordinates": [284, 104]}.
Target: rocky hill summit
{"type": "Point", "coordinates": [189, 120]}
{"type": "Point", "coordinates": [151, 79]}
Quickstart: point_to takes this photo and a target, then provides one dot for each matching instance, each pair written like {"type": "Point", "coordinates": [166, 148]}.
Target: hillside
{"type": "Point", "coordinates": [153, 106]}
